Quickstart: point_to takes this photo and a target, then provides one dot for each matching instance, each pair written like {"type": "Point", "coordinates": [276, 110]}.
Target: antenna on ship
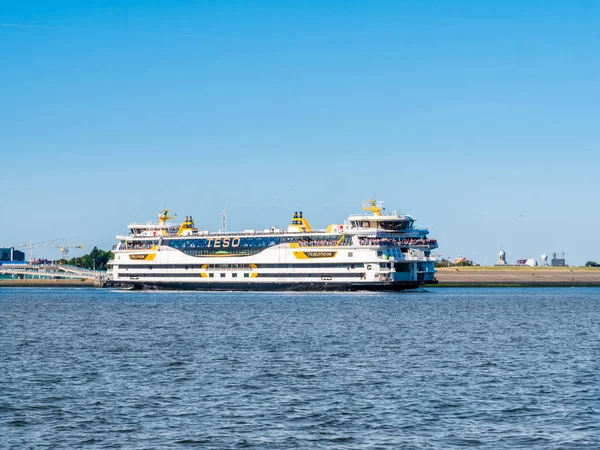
{"type": "Point", "coordinates": [224, 221]}
{"type": "Point", "coordinates": [373, 205]}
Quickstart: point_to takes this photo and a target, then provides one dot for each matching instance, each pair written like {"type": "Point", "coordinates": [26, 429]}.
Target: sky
{"type": "Point", "coordinates": [481, 119]}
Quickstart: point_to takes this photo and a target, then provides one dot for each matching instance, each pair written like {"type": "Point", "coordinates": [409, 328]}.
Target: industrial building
{"type": "Point", "coordinates": [10, 255]}
{"type": "Point", "coordinates": [558, 260]}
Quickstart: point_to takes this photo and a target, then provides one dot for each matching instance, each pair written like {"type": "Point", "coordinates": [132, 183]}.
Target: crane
{"type": "Point", "coordinates": [56, 243]}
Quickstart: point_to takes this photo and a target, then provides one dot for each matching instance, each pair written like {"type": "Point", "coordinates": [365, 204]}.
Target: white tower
{"type": "Point", "coordinates": [501, 258]}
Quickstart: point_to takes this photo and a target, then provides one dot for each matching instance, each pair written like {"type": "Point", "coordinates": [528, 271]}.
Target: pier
{"type": "Point", "coordinates": [50, 275]}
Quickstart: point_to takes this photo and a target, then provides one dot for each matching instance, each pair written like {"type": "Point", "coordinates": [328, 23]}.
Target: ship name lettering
{"type": "Point", "coordinates": [223, 242]}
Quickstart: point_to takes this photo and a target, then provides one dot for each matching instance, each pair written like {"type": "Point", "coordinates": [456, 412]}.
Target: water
{"type": "Point", "coordinates": [446, 368]}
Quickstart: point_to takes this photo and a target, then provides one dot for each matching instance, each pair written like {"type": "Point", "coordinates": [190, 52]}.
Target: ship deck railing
{"type": "Point", "coordinates": [218, 233]}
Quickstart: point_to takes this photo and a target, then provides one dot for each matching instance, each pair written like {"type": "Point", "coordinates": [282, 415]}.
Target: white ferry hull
{"type": "Point", "coordinates": [277, 286]}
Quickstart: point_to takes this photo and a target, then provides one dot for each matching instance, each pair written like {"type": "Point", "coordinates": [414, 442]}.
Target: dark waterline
{"type": "Point", "coordinates": [481, 368]}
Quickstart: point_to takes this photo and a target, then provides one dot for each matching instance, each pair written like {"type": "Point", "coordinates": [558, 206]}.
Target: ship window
{"type": "Point", "coordinates": [246, 275]}
{"type": "Point", "coordinates": [394, 225]}
{"type": "Point", "coordinates": [366, 224]}
{"type": "Point", "coordinates": [211, 275]}
{"type": "Point", "coordinates": [222, 275]}
{"type": "Point", "coordinates": [234, 275]}
{"type": "Point", "coordinates": [350, 254]}
{"type": "Point", "coordinates": [402, 267]}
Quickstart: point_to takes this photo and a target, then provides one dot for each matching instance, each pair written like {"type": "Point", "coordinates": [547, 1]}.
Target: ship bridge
{"type": "Point", "coordinates": [385, 223]}
{"type": "Point", "coordinates": [377, 220]}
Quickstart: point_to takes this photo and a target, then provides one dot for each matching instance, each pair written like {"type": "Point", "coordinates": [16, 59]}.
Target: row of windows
{"type": "Point", "coordinates": [389, 225]}
{"type": "Point", "coordinates": [176, 275]}
{"type": "Point", "coordinates": [241, 266]}
{"type": "Point", "coordinates": [260, 242]}
{"type": "Point", "coordinates": [314, 275]}
{"type": "Point", "coordinates": [247, 275]}
{"type": "Point", "coordinates": [224, 242]}
{"type": "Point", "coordinates": [218, 251]}
{"type": "Point", "coordinates": [159, 275]}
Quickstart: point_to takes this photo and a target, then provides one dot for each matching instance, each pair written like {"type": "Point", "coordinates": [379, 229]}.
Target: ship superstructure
{"type": "Point", "coordinates": [369, 251]}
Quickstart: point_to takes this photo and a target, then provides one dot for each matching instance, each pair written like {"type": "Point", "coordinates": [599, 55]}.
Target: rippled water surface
{"type": "Point", "coordinates": [443, 368]}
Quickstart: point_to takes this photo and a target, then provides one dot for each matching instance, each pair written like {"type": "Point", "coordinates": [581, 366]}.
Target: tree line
{"type": "Point", "coordinates": [447, 263]}
{"type": "Point", "coordinates": [96, 259]}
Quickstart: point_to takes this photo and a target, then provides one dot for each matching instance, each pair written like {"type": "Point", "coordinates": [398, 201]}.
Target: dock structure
{"type": "Point", "coordinates": [26, 272]}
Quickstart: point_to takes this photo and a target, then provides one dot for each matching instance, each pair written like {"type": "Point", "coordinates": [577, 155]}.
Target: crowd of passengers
{"type": "Point", "coordinates": [397, 242]}
{"type": "Point", "coordinates": [317, 242]}
{"type": "Point", "coordinates": [138, 245]}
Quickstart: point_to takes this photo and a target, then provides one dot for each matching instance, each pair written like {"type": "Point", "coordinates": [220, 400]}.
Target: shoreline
{"type": "Point", "coordinates": [46, 283]}
{"type": "Point", "coordinates": [448, 277]}
{"type": "Point", "coordinates": [493, 276]}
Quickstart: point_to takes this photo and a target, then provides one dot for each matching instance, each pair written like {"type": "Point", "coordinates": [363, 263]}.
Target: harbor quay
{"type": "Point", "coordinates": [480, 276]}
{"type": "Point", "coordinates": [48, 282]}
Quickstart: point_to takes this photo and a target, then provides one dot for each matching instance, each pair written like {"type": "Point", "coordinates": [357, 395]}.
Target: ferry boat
{"type": "Point", "coordinates": [369, 251]}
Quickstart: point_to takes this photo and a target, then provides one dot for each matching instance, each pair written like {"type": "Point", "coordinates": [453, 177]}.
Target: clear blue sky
{"type": "Point", "coordinates": [480, 118]}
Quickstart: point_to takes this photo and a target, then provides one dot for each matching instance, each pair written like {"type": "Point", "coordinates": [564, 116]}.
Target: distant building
{"type": "Point", "coordinates": [9, 254]}
{"type": "Point", "coordinates": [557, 261]}
{"type": "Point", "coordinates": [501, 258]}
